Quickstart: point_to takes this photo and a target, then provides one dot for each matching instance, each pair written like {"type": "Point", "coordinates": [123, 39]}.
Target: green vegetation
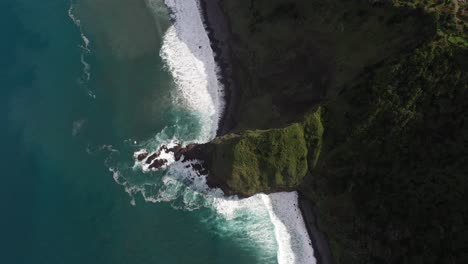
{"type": "Point", "coordinates": [313, 133]}
{"type": "Point", "coordinates": [362, 106]}
{"type": "Point", "coordinates": [289, 56]}
{"type": "Point", "coordinates": [391, 184]}
{"type": "Point", "coordinates": [267, 160]}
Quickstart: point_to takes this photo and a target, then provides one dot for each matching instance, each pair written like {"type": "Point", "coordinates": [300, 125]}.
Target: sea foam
{"type": "Point", "coordinates": [190, 59]}
{"type": "Point", "coordinates": [273, 223]}
{"type": "Point", "coordinates": [85, 47]}
{"type": "Point", "coordinates": [294, 244]}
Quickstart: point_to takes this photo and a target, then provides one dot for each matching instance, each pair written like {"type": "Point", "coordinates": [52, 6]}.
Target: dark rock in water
{"type": "Point", "coordinates": [189, 152]}
{"type": "Point", "coordinates": [163, 147]}
{"type": "Point", "coordinates": [177, 150]}
{"type": "Point", "coordinates": [197, 167]}
{"type": "Point", "coordinates": [142, 156]}
{"type": "Point", "coordinates": [158, 163]}
{"type": "Point", "coordinates": [152, 157]}
{"type": "Point", "coordinates": [156, 154]}
{"type": "Point", "coordinates": [200, 169]}
{"type": "Point", "coordinates": [213, 182]}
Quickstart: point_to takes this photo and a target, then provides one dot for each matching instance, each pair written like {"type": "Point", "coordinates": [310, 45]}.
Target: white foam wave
{"type": "Point", "coordinates": [85, 47]}
{"type": "Point", "coordinates": [190, 59]}
{"type": "Point", "coordinates": [280, 210]}
{"type": "Point", "coordinates": [294, 245]}
{"type": "Point", "coordinates": [272, 222]}
{"type": "Point", "coordinates": [178, 184]}
{"type": "Point", "coordinates": [247, 220]}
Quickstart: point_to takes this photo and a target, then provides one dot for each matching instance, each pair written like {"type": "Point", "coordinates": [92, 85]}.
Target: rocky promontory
{"type": "Point", "coordinates": [361, 106]}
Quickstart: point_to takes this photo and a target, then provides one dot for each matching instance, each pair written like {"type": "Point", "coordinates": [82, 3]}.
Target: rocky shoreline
{"type": "Point", "coordinates": [219, 33]}
{"type": "Point", "coordinates": [319, 241]}
{"type": "Point", "coordinates": [218, 30]}
{"type": "Point", "coordinates": [348, 152]}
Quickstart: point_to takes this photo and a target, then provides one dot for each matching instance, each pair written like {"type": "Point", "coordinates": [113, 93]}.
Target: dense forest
{"type": "Point", "coordinates": [363, 107]}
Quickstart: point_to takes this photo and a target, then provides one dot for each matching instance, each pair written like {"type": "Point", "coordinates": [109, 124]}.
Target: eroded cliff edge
{"type": "Point", "coordinates": [361, 106]}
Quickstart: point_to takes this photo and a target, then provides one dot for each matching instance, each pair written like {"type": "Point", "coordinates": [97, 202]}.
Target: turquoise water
{"type": "Point", "coordinates": [63, 131]}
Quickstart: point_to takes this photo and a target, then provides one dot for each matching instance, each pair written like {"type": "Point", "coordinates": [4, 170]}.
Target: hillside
{"type": "Point", "coordinates": [362, 106]}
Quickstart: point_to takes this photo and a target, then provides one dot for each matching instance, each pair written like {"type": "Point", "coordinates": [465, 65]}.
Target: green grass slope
{"type": "Point", "coordinates": [267, 160]}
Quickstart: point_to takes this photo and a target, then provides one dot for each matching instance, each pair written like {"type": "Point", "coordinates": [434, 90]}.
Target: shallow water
{"type": "Point", "coordinates": [85, 85]}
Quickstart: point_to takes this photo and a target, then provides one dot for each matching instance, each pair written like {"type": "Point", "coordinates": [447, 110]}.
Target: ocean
{"type": "Point", "coordinates": [86, 84]}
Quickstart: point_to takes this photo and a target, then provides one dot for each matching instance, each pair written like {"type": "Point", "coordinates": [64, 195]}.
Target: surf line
{"type": "Point", "coordinates": [188, 54]}
{"type": "Point", "coordinates": [85, 47]}
{"type": "Point", "coordinates": [191, 62]}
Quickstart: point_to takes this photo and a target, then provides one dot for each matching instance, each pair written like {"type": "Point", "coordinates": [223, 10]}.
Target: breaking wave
{"type": "Point", "coordinates": [272, 223]}
{"type": "Point", "coordinates": [190, 59]}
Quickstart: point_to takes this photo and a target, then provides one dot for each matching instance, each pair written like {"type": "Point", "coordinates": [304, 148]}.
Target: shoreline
{"type": "Point", "coordinates": [218, 30]}
{"type": "Point", "coordinates": [188, 55]}
{"type": "Point", "coordinates": [319, 240]}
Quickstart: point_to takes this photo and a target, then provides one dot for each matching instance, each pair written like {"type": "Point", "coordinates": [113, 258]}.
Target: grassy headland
{"type": "Point", "coordinates": [267, 160]}
{"type": "Point", "coordinates": [362, 106]}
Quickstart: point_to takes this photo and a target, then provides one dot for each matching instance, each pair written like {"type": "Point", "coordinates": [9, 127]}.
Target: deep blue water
{"type": "Point", "coordinates": [59, 202]}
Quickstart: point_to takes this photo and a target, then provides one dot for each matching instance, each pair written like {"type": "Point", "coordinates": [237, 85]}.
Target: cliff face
{"type": "Point", "coordinates": [288, 56]}
{"type": "Point", "coordinates": [361, 105]}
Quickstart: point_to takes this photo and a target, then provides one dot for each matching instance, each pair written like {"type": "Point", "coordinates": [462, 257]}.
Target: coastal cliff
{"type": "Point", "coordinates": [361, 106]}
{"type": "Point", "coordinates": [264, 160]}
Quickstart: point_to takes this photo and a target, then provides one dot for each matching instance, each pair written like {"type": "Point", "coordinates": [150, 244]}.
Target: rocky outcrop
{"type": "Point", "coordinates": [141, 156]}
{"type": "Point", "coordinates": [157, 163]}
{"type": "Point", "coordinates": [191, 152]}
